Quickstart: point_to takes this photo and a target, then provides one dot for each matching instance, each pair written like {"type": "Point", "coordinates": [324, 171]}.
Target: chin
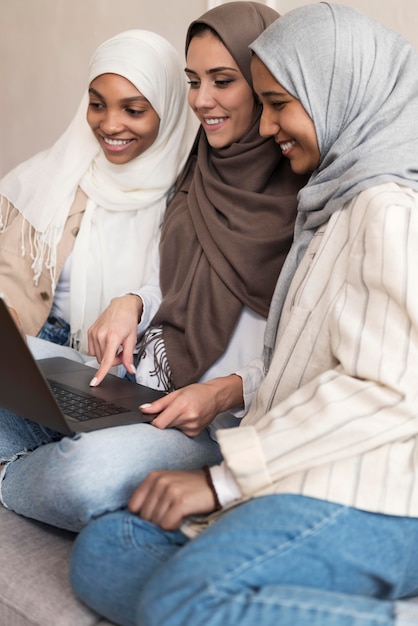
{"type": "Point", "coordinates": [298, 169]}
{"type": "Point", "coordinates": [218, 144]}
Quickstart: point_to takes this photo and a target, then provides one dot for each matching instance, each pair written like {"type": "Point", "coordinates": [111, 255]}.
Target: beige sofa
{"type": "Point", "coordinates": [34, 587]}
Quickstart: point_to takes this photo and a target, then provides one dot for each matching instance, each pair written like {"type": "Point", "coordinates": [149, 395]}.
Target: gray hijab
{"type": "Point", "coordinates": [358, 81]}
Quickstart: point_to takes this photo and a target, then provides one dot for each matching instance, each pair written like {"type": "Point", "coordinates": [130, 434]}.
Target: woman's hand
{"type": "Point", "coordinates": [194, 407]}
{"type": "Point", "coordinates": [165, 497]}
{"type": "Point", "coordinates": [113, 336]}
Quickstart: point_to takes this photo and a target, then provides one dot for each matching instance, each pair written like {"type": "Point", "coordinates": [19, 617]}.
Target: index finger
{"type": "Point", "coordinates": [108, 361]}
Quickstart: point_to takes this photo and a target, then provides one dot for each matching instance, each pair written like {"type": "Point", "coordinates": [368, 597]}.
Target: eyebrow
{"type": "Point", "coordinates": [267, 94]}
{"type": "Point", "coordinates": [215, 70]}
{"type": "Point", "coordinates": [127, 100]}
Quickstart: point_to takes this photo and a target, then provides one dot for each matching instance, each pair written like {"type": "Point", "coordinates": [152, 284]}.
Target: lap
{"type": "Point", "coordinates": [71, 481]}
{"type": "Point", "coordinates": [293, 540]}
{"type": "Point", "coordinates": [252, 559]}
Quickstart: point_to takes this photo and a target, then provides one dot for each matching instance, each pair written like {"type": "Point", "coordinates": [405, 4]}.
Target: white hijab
{"type": "Point", "coordinates": [358, 81]}
{"type": "Point", "coordinates": [120, 228]}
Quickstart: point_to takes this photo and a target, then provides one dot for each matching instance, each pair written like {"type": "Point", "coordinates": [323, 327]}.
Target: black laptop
{"type": "Point", "coordinates": [56, 393]}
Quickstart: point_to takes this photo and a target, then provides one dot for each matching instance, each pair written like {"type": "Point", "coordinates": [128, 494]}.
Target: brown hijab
{"type": "Point", "coordinates": [229, 225]}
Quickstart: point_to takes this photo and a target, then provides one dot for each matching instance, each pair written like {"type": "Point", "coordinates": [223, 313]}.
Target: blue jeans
{"type": "Point", "coordinates": [279, 560]}
{"type": "Point", "coordinates": [67, 481]}
{"type": "Point", "coordinates": [56, 330]}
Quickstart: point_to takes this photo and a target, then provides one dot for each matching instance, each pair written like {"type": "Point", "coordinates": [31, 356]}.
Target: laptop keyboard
{"type": "Point", "coordinates": [82, 407]}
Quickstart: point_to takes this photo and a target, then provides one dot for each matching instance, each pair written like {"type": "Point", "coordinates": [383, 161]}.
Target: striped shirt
{"type": "Point", "coordinates": [336, 417]}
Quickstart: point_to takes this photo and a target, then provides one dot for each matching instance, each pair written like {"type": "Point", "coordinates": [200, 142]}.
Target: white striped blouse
{"type": "Point", "coordinates": [336, 417]}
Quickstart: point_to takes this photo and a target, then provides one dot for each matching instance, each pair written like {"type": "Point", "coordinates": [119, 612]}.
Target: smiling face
{"type": "Point", "coordinates": [285, 119]}
{"type": "Point", "coordinates": [219, 95]}
{"type": "Point", "coordinates": [122, 120]}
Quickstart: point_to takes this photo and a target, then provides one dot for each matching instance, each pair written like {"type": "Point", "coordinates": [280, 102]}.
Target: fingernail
{"type": "Point", "coordinates": [145, 406]}
{"type": "Point", "coordinates": [132, 368]}
{"type": "Point", "coordinates": [93, 382]}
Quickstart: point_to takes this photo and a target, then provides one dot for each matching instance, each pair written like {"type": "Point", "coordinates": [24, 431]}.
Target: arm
{"type": "Point", "coordinates": [365, 402]}
{"type": "Point", "coordinates": [115, 328]}
{"type": "Point", "coordinates": [166, 497]}
{"type": "Point", "coordinates": [112, 338]}
{"type": "Point", "coordinates": [192, 408]}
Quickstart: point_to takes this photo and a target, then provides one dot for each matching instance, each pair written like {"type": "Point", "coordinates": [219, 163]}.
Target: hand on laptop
{"type": "Point", "coordinates": [113, 336]}
{"type": "Point", "coordinates": [194, 407]}
{"type": "Point", "coordinates": [166, 497]}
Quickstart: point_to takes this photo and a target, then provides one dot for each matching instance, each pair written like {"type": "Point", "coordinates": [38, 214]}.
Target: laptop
{"type": "Point", "coordinates": [55, 392]}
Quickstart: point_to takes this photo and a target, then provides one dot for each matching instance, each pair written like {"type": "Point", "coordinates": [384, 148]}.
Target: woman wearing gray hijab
{"type": "Point", "coordinates": [320, 479]}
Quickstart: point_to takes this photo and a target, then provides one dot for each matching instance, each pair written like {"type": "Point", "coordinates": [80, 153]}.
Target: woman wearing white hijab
{"type": "Point", "coordinates": [324, 465]}
{"type": "Point", "coordinates": [78, 226]}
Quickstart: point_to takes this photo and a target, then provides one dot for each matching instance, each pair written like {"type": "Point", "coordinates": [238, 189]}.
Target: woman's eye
{"type": "Point", "coordinates": [194, 84]}
{"type": "Point", "coordinates": [223, 83]}
{"type": "Point", "coordinates": [96, 105]}
{"type": "Point", "coordinates": [135, 112]}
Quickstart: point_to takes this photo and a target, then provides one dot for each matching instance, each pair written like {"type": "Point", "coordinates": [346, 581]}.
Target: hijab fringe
{"type": "Point", "coordinates": [42, 246]}
{"type": "Point", "coordinates": [42, 251]}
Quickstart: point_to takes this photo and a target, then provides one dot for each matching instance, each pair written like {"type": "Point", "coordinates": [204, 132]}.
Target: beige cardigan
{"type": "Point", "coordinates": [336, 417]}
{"type": "Point", "coordinates": [32, 301]}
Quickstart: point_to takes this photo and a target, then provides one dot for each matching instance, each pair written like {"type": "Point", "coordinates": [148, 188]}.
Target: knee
{"type": "Point", "coordinates": [73, 479]}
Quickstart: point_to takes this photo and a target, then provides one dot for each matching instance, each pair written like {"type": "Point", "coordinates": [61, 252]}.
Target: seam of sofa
{"type": "Point", "coordinates": [11, 606]}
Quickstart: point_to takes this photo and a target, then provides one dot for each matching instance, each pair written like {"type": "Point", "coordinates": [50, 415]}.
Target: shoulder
{"type": "Point", "coordinates": [374, 204]}
{"type": "Point", "coordinates": [385, 195]}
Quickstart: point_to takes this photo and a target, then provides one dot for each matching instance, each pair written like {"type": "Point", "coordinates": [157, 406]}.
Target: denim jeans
{"type": "Point", "coordinates": [277, 560]}
{"type": "Point", "coordinates": [67, 481]}
{"type": "Point", "coordinates": [56, 330]}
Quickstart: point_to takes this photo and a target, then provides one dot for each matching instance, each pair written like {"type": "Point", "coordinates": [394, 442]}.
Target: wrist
{"type": "Point", "coordinates": [137, 303]}
{"type": "Point", "coordinates": [227, 392]}
{"type": "Point", "coordinates": [206, 471]}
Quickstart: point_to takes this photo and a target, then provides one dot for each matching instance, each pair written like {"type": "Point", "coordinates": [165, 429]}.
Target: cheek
{"type": "Point", "coordinates": [90, 117]}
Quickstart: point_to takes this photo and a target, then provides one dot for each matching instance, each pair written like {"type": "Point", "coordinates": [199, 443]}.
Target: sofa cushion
{"type": "Point", "coordinates": [34, 586]}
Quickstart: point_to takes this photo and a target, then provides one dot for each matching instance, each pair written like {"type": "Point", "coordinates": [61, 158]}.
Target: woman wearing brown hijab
{"type": "Point", "coordinates": [226, 234]}
{"type": "Point", "coordinates": [227, 230]}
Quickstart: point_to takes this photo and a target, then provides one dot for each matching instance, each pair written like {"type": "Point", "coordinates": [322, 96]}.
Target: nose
{"type": "Point", "coordinates": [202, 97]}
{"type": "Point", "coordinates": [111, 122]}
{"type": "Point", "coordinates": [268, 127]}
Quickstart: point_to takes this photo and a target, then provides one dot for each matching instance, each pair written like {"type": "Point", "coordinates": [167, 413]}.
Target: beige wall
{"type": "Point", "coordinates": [45, 46]}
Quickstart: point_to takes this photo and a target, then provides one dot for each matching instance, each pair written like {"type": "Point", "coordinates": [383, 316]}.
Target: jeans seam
{"type": "Point", "coordinates": [300, 605]}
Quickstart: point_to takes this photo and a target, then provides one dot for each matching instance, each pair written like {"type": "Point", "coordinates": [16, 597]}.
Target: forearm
{"type": "Point", "coordinates": [227, 392]}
